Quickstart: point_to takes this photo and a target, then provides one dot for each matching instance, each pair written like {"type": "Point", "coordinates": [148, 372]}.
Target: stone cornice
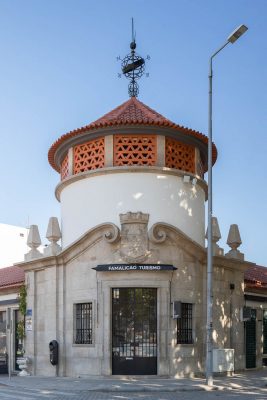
{"type": "Point", "coordinates": [136, 169]}
{"type": "Point", "coordinates": [106, 231]}
{"type": "Point", "coordinates": [231, 263]}
{"type": "Point", "coordinates": [158, 234]}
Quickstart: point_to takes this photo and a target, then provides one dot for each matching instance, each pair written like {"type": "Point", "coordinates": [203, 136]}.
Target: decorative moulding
{"type": "Point", "coordinates": [157, 234]}
{"type": "Point", "coordinates": [134, 238]}
{"type": "Point", "coordinates": [134, 217]}
{"type": "Point", "coordinates": [112, 235]}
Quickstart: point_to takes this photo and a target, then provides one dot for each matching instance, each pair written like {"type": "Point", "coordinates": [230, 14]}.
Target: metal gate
{"type": "Point", "coordinates": [250, 335]}
{"type": "Point", "coordinates": [134, 331]}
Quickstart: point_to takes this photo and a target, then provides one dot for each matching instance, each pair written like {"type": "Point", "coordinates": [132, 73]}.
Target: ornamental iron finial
{"type": "Point", "coordinates": [133, 66]}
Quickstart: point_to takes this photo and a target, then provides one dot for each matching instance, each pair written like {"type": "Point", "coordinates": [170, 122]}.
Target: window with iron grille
{"type": "Point", "coordinates": [83, 333]}
{"type": "Point", "coordinates": [265, 332]}
{"type": "Point", "coordinates": [184, 325]}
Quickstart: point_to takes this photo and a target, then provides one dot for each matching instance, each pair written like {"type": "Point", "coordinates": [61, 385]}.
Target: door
{"type": "Point", "coordinates": [134, 331]}
{"type": "Point", "coordinates": [3, 343]}
{"type": "Point", "coordinates": [250, 335]}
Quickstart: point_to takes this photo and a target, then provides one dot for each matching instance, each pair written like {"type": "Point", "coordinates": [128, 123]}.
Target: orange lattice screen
{"type": "Point", "coordinates": [135, 150]}
{"type": "Point", "coordinates": [64, 170]}
{"type": "Point", "coordinates": [179, 155]}
{"type": "Point", "coordinates": [90, 155]}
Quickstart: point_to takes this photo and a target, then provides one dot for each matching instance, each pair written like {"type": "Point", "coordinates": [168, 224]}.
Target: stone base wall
{"type": "Point", "coordinates": [56, 284]}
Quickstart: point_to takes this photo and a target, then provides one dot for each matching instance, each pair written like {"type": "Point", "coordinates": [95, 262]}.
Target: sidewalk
{"type": "Point", "coordinates": [242, 381]}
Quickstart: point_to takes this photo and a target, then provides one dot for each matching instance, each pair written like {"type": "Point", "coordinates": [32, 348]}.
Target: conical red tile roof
{"type": "Point", "coordinates": [131, 112]}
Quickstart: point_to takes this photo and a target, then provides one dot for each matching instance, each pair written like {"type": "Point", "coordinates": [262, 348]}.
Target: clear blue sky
{"type": "Point", "coordinates": [58, 72]}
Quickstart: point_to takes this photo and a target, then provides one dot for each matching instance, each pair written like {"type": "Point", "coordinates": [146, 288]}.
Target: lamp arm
{"type": "Point", "coordinates": [220, 49]}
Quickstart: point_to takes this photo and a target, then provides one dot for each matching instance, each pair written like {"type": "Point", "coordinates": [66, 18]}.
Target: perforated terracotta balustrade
{"type": "Point", "coordinates": [131, 150]}
{"type": "Point", "coordinates": [64, 171]}
{"type": "Point", "coordinates": [179, 155]}
{"type": "Point", "coordinates": [88, 156]}
{"type": "Point", "coordinates": [135, 150]}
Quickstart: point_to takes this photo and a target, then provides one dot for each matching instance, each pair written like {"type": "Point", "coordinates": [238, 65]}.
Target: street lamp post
{"type": "Point", "coordinates": [209, 345]}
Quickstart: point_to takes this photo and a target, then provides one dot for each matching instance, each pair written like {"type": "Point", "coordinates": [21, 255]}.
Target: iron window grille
{"type": "Point", "coordinates": [185, 324]}
{"type": "Point", "coordinates": [84, 322]}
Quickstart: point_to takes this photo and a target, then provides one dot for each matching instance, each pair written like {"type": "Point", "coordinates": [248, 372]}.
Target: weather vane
{"type": "Point", "coordinates": [133, 67]}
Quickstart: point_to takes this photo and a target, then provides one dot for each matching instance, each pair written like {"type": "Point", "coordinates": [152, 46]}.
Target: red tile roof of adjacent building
{"type": "Point", "coordinates": [11, 276]}
{"type": "Point", "coordinates": [131, 112]}
{"type": "Point", "coordinates": [256, 276]}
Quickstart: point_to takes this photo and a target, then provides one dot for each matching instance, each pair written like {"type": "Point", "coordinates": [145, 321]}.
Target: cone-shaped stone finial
{"type": "Point", "coordinates": [234, 241]}
{"type": "Point", "coordinates": [33, 241]}
{"type": "Point", "coordinates": [216, 236]}
{"type": "Point", "coordinates": [53, 234]}
{"type": "Point", "coordinates": [53, 230]}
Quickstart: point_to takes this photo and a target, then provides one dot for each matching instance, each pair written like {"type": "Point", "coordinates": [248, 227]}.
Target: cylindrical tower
{"type": "Point", "coordinates": [131, 159]}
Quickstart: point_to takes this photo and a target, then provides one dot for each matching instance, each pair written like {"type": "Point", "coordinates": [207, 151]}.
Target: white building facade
{"type": "Point", "coordinates": [13, 241]}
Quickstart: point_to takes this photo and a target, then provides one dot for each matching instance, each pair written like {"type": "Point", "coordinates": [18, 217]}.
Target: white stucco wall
{"type": "Point", "coordinates": [13, 242]}
{"type": "Point", "coordinates": [98, 199]}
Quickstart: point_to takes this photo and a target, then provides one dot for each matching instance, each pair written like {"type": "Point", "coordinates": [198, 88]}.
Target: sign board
{"type": "Point", "coordinates": [28, 320]}
{"type": "Point", "coordinates": [134, 267]}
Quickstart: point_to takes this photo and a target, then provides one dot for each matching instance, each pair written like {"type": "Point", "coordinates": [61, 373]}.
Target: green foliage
{"type": "Point", "coordinates": [20, 329]}
{"type": "Point", "coordinates": [23, 300]}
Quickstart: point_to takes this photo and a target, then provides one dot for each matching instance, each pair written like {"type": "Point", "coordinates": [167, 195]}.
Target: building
{"type": "Point", "coordinates": [256, 325]}
{"type": "Point", "coordinates": [13, 241]}
{"type": "Point", "coordinates": [11, 280]}
{"type": "Point", "coordinates": [126, 293]}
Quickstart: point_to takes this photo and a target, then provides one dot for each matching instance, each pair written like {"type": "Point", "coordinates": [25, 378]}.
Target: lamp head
{"type": "Point", "coordinates": [237, 33]}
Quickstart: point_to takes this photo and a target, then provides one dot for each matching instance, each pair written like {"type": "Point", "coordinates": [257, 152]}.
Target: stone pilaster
{"type": "Point", "coordinates": [109, 151]}
{"type": "Point", "coordinates": [70, 160]}
{"type": "Point", "coordinates": [160, 151]}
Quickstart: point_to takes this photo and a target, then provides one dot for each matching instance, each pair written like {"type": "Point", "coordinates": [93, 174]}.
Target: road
{"type": "Point", "coordinates": [13, 393]}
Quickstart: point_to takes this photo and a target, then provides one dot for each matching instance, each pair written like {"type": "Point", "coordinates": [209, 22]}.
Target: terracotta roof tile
{"type": "Point", "coordinates": [256, 275]}
{"type": "Point", "coordinates": [131, 112]}
{"type": "Point", "coordinates": [11, 276]}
